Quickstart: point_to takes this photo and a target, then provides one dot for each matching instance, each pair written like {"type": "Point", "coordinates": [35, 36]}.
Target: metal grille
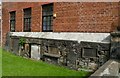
{"type": "Point", "coordinates": [89, 52]}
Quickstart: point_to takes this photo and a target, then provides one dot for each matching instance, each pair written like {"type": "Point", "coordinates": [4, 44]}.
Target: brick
{"type": "Point", "coordinates": [71, 17]}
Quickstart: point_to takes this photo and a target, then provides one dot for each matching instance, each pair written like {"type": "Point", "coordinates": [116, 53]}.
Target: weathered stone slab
{"type": "Point", "coordinates": [110, 68]}
{"type": "Point", "coordinates": [90, 37]}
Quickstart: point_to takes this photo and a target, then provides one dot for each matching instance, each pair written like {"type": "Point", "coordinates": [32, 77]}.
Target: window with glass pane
{"type": "Point", "coordinates": [12, 21]}
{"type": "Point", "coordinates": [47, 17]}
{"type": "Point", "coordinates": [27, 20]}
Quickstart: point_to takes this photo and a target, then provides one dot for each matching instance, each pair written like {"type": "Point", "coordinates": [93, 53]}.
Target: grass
{"type": "Point", "coordinates": [0, 62]}
{"type": "Point", "coordinates": [13, 65]}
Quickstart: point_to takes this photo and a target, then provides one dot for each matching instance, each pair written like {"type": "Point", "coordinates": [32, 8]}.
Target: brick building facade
{"type": "Point", "coordinates": [65, 32]}
{"type": "Point", "coordinates": [70, 17]}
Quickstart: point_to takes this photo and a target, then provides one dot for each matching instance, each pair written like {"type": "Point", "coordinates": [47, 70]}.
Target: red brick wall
{"type": "Point", "coordinates": [86, 17]}
{"type": "Point", "coordinates": [71, 17]}
{"type": "Point", "coordinates": [18, 7]}
{"type": "Point", "coordinates": [5, 22]}
{"type": "Point", "coordinates": [37, 19]}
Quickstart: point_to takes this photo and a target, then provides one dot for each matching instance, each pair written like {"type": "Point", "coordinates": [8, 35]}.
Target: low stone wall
{"type": "Point", "coordinates": [115, 45]}
{"type": "Point", "coordinates": [112, 67]}
{"type": "Point", "coordinates": [73, 54]}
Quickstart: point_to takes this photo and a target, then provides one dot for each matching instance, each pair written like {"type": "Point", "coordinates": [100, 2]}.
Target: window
{"type": "Point", "coordinates": [47, 17]}
{"type": "Point", "coordinates": [89, 52]}
{"type": "Point", "coordinates": [27, 20]}
{"type": "Point", "coordinates": [12, 21]}
{"type": "Point", "coordinates": [118, 28]}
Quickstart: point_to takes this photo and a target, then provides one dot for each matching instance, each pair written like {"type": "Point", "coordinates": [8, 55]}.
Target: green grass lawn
{"type": "Point", "coordinates": [13, 65]}
{"type": "Point", "coordinates": [0, 62]}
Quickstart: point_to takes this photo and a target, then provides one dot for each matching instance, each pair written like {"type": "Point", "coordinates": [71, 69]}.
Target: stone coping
{"type": "Point", "coordinates": [74, 36]}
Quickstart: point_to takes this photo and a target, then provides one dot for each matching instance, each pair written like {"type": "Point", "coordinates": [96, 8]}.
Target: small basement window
{"type": "Point", "coordinates": [89, 52]}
